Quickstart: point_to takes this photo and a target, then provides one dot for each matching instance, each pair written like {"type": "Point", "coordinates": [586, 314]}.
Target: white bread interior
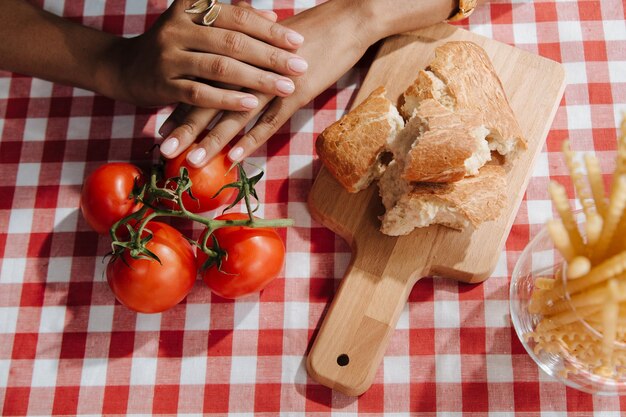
{"type": "Point", "coordinates": [457, 205]}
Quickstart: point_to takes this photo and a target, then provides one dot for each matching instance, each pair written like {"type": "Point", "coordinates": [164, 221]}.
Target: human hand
{"type": "Point", "coordinates": [175, 58]}
{"type": "Point", "coordinates": [336, 38]}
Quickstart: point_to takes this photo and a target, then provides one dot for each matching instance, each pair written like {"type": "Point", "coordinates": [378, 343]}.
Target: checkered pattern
{"type": "Point", "coordinates": [67, 349]}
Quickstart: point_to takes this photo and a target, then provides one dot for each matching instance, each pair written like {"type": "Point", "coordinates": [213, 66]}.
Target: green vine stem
{"type": "Point", "coordinates": [173, 189]}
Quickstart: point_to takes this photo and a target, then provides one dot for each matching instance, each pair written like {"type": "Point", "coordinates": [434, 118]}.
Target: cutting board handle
{"type": "Point", "coordinates": [356, 330]}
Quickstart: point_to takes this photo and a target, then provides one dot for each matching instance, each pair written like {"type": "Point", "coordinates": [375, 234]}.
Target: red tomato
{"type": "Point", "coordinates": [149, 287]}
{"type": "Point", "coordinates": [104, 197]}
{"type": "Point", "coordinates": [255, 256]}
{"type": "Point", "coordinates": [205, 181]}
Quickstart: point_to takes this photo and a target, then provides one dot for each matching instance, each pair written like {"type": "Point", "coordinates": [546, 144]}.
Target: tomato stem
{"type": "Point", "coordinates": [151, 194]}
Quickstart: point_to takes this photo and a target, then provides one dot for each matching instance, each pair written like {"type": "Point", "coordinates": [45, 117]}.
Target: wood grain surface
{"type": "Point", "coordinates": [356, 329]}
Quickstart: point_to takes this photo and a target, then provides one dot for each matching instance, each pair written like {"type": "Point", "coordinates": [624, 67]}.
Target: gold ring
{"type": "Point", "coordinates": [210, 9]}
{"type": "Point", "coordinates": [466, 8]}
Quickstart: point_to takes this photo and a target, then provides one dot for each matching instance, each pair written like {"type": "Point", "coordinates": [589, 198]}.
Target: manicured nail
{"type": "Point", "coordinates": [169, 146]}
{"type": "Point", "coordinates": [235, 154]}
{"type": "Point", "coordinates": [196, 156]}
{"type": "Point", "coordinates": [166, 128]}
{"type": "Point", "coordinates": [297, 64]}
{"type": "Point", "coordinates": [250, 102]}
{"type": "Point", "coordinates": [294, 38]}
{"type": "Point", "coordinates": [285, 86]}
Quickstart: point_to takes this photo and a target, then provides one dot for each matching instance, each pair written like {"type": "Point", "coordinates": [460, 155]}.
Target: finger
{"type": "Point", "coordinates": [230, 71]}
{"type": "Point", "coordinates": [242, 19]}
{"type": "Point", "coordinates": [186, 131]}
{"type": "Point", "coordinates": [225, 130]}
{"type": "Point", "coordinates": [174, 119]}
{"type": "Point", "coordinates": [272, 119]}
{"type": "Point", "coordinates": [209, 97]}
{"type": "Point", "coordinates": [244, 48]}
{"type": "Point", "coordinates": [268, 14]}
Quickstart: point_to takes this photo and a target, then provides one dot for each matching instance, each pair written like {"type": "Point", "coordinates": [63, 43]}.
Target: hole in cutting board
{"type": "Point", "coordinates": [343, 359]}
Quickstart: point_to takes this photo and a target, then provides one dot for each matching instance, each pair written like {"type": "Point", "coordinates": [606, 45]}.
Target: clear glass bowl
{"type": "Point", "coordinates": [541, 259]}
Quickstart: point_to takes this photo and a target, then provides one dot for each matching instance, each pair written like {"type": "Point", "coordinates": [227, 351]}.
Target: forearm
{"type": "Point", "coordinates": [382, 18]}
{"type": "Point", "coordinates": [43, 45]}
{"type": "Point", "coordinates": [405, 15]}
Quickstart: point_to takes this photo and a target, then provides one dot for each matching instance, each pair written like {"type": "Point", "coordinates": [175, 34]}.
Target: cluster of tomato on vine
{"type": "Point", "coordinates": [152, 265]}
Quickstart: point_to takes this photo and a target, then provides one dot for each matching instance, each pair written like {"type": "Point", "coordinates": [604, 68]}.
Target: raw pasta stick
{"type": "Point", "coordinates": [618, 243]}
{"type": "Point", "coordinates": [566, 317]}
{"type": "Point", "coordinates": [614, 267]}
{"type": "Point", "coordinates": [577, 179]}
{"type": "Point", "coordinates": [559, 197]}
{"type": "Point", "coordinates": [608, 269]}
{"type": "Point", "coordinates": [596, 183]}
{"type": "Point", "coordinates": [578, 267]}
{"type": "Point", "coordinates": [610, 311]}
{"type": "Point", "coordinates": [561, 239]}
{"type": "Point", "coordinates": [593, 228]}
{"type": "Point", "coordinates": [620, 163]}
{"type": "Point", "coordinates": [593, 296]}
{"type": "Point", "coordinates": [596, 321]}
{"type": "Point", "coordinates": [621, 319]}
{"type": "Point", "coordinates": [613, 216]}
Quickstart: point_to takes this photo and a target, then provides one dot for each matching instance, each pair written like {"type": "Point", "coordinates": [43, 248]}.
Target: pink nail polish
{"type": "Point", "coordinates": [297, 64]}
{"type": "Point", "coordinates": [196, 156]}
{"type": "Point", "coordinates": [235, 154]}
{"type": "Point", "coordinates": [294, 38]}
{"type": "Point", "coordinates": [285, 86]}
{"type": "Point", "coordinates": [249, 102]}
{"type": "Point", "coordinates": [169, 146]}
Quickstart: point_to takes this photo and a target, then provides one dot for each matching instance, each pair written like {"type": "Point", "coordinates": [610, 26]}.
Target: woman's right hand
{"type": "Point", "coordinates": [177, 60]}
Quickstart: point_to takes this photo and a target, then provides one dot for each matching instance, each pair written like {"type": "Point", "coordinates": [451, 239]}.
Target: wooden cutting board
{"type": "Point", "coordinates": [357, 327]}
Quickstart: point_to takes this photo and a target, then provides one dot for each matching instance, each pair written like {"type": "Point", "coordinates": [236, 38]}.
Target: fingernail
{"type": "Point", "coordinates": [196, 156]}
{"type": "Point", "coordinates": [297, 64]}
{"type": "Point", "coordinates": [166, 128]}
{"type": "Point", "coordinates": [235, 154]}
{"type": "Point", "coordinates": [250, 102]}
{"type": "Point", "coordinates": [169, 146]}
{"type": "Point", "coordinates": [294, 38]}
{"type": "Point", "coordinates": [285, 86]}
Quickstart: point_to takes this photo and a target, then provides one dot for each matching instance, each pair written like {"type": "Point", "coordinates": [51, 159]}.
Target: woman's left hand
{"type": "Point", "coordinates": [336, 38]}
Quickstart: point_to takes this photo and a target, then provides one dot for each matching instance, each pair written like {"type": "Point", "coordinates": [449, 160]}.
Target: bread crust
{"type": "Point", "coordinates": [479, 199]}
{"type": "Point", "coordinates": [471, 85]}
{"type": "Point", "coordinates": [449, 139]}
{"type": "Point", "coordinates": [351, 147]}
{"type": "Point", "coordinates": [473, 200]}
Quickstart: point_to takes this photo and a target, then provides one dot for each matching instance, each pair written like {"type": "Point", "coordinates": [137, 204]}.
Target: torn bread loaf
{"type": "Point", "coordinates": [470, 201]}
{"type": "Point", "coordinates": [457, 115]}
{"type": "Point", "coordinates": [352, 148]}
{"type": "Point", "coordinates": [462, 78]}
{"type": "Point", "coordinates": [439, 145]}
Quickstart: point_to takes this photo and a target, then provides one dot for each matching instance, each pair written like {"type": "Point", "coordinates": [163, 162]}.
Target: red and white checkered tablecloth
{"type": "Point", "coordinates": [66, 348]}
